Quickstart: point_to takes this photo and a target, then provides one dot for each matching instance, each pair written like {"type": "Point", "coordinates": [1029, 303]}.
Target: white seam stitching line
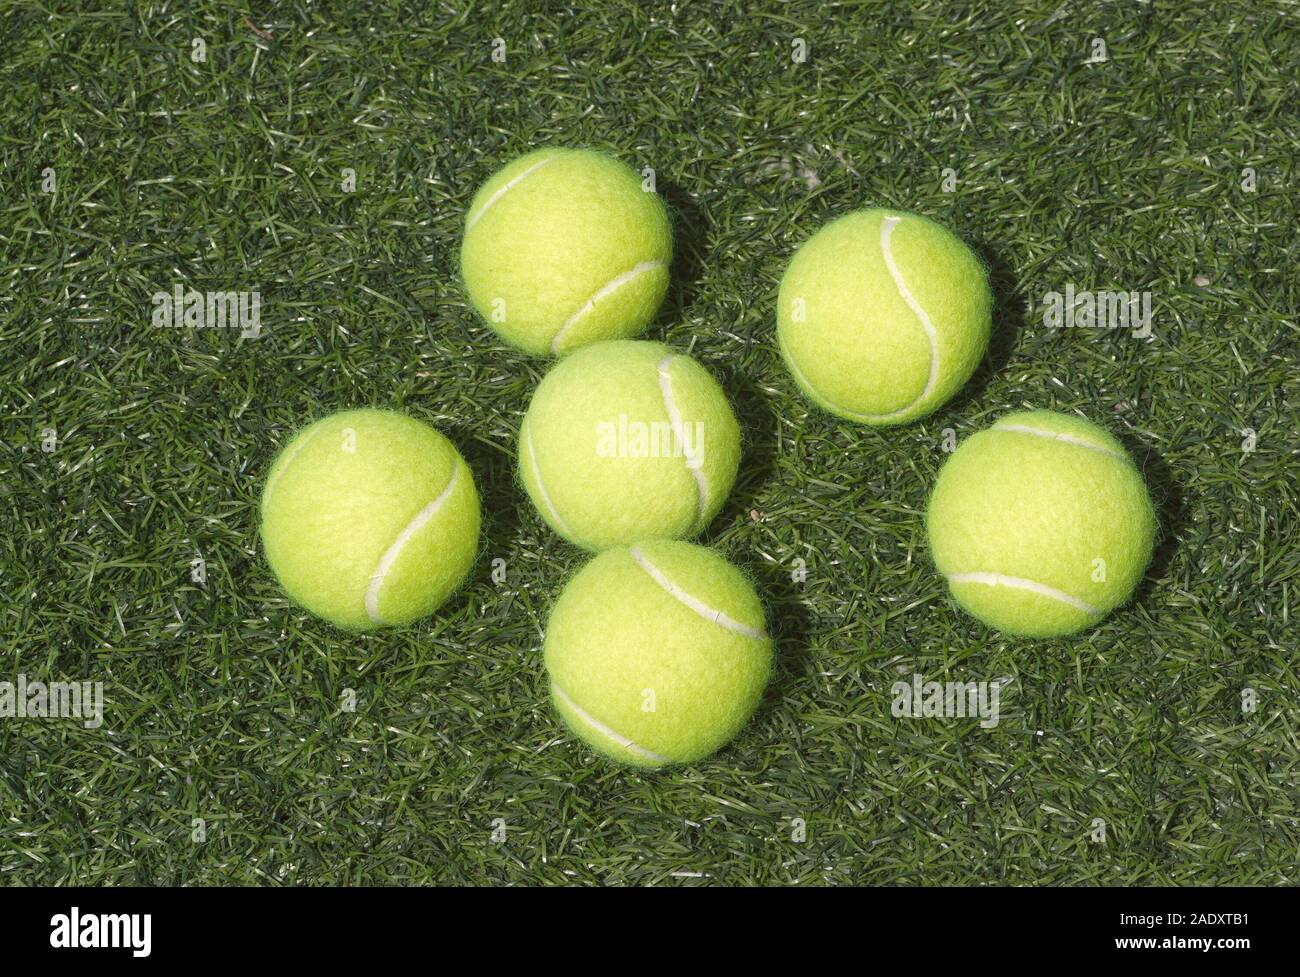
{"type": "Point", "coordinates": [506, 189]}
{"type": "Point", "coordinates": [301, 443]}
{"type": "Point", "coordinates": [541, 487]}
{"type": "Point", "coordinates": [1019, 583]}
{"type": "Point", "coordinates": [600, 727]}
{"type": "Point", "coordinates": [694, 603]}
{"type": "Point", "coordinates": [395, 550]}
{"type": "Point", "coordinates": [886, 232]}
{"type": "Point", "coordinates": [1051, 436]}
{"type": "Point", "coordinates": [613, 285]}
{"type": "Point", "coordinates": [694, 464]}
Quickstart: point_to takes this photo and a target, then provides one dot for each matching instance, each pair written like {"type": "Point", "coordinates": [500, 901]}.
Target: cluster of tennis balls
{"type": "Point", "coordinates": [657, 650]}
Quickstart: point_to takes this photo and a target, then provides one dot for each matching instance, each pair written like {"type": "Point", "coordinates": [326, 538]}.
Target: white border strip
{"type": "Point", "coordinates": [604, 730]}
{"type": "Point", "coordinates": [613, 285]}
{"type": "Point", "coordinates": [506, 189]}
{"type": "Point", "coordinates": [694, 603]}
{"type": "Point", "coordinates": [693, 462]}
{"type": "Point", "coordinates": [1052, 436]}
{"type": "Point", "coordinates": [390, 556]}
{"type": "Point", "coordinates": [1019, 583]}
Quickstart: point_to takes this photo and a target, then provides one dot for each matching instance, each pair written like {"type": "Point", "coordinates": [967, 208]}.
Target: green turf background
{"type": "Point", "coordinates": [225, 702]}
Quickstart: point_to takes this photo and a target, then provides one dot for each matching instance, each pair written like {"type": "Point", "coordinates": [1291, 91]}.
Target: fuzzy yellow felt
{"type": "Point", "coordinates": [565, 247]}
{"type": "Point", "coordinates": [370, 518]}
{"type": "Point", "coordinates": [882, 315]}
{"type": "Point", "coordinates": [657, 653]}
{"type": "Point", "coordinates": [628, 440]}
{"type": "Point", "coordinates": [1041, 524]}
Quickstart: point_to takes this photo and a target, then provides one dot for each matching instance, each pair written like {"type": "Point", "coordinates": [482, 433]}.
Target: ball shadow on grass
{"type": "Point", "coordinates": [787, 617]}
{"type": "Point", "coordinates": [1008, 322]}
{"type": "Point", "coordinates": [1171, 514]}
{"type": "Point", "coordinates": [687, 267]}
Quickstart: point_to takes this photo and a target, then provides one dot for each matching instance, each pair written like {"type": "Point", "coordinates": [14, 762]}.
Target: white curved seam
{"type": "Point", "coordinates": [1052, 436]}
{"type": "Point", "coordinates": [284, 465]}
{"type": "Point", "coordinates": [694, 603]}
{"type": "Point", "coordinates": [1019, 583]}
{"type": "Point", "coordinates": [601, 728]}
{"type": "Point", "coordinates": [611, 286]}
{"type": "Point", "coordinates": [541, 487]}
{"type": "Point", "coordinates": [395, 550]}
{"type": "Point", "coordinates": [886, 232]}
{"type": "Point", "coordinates": [694, 463]}
{"type": "Point", "coordinates": [506, 189]}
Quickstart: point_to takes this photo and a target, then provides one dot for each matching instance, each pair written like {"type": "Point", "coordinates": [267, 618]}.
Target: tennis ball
{"type": "Point", "coordinates": [657, 654]}
{"type": "Point", "coordinates": [882, 316]}
{"type": "Point", "coordinates": [563, 247]}
{"type": "Point", "coordinates": [1042, 524]}
{"type": "Point", "coordinates": [627, 440]}
{"type": "Point", "coordinates": [369, 518]}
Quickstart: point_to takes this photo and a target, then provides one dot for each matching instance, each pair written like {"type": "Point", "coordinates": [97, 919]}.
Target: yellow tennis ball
{"type": "Point", "coordinates": [370, 518]}
{"type": "Point", "coordinates": [564, 247]}
{"type": "Point", "coordinates": [1041, 524]}
{"type": "Point", "coordinates": [657, 654]}
{"type": "Point", "coordinates": [882, 316]}
{"type": "Point", "coordinates": [627, 440]}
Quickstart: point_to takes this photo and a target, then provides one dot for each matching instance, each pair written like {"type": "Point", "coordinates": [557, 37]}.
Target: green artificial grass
{"type": "Point", "coordinates": [227, 704]}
